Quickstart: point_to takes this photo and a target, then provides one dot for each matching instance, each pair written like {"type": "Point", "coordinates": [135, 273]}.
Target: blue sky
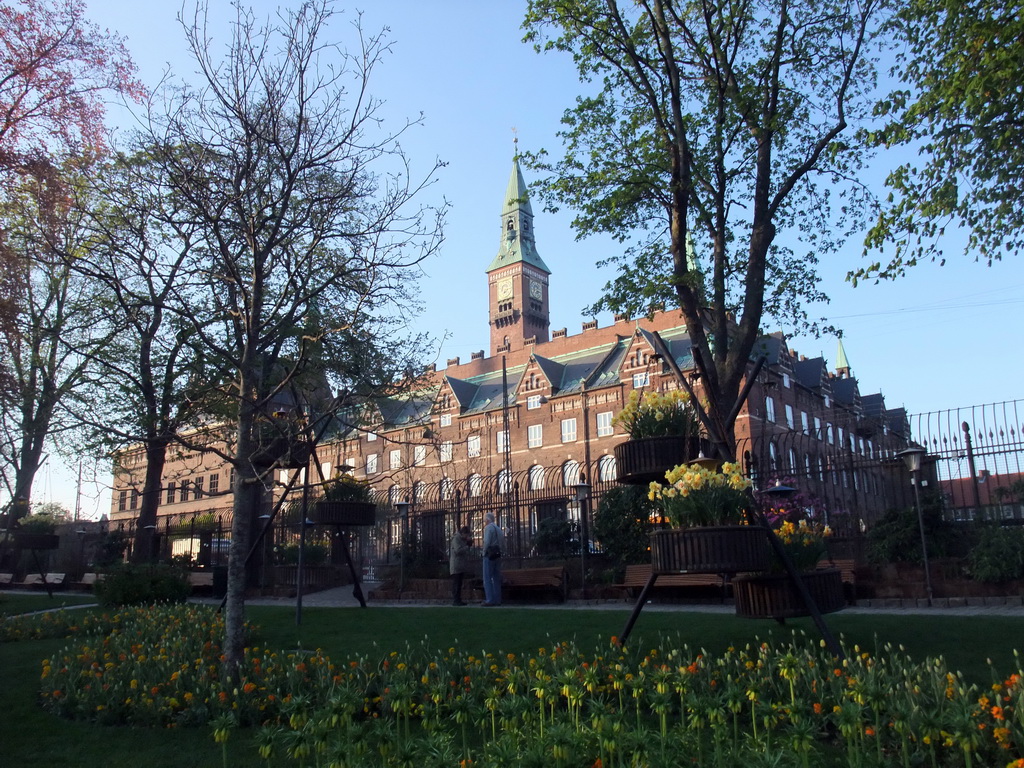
{"type": "Point", "coordinates": [943, 337]}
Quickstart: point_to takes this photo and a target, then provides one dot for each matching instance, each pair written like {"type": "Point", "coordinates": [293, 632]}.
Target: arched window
{"type": "Point", "coordinates": [504, 484]}
{"type": "Point", "coordinates": [418, 489]}
{"type": "Point", "coordinates": [395, 495]}
{"type": "Point", "coordinates": [536, 478]}
{"type": "Point", "coordinates": [773, 457]}
{"type": "Point", "coordinates": [570, 474]}
{"type": "Point", "coordinates": [606, 469]}
{"type": "Point", "coordinates": [792, 461]}
{"type": "Point", "coordinates": [476, 485]}
{"type": "Point", "coordinates": [446, 487]}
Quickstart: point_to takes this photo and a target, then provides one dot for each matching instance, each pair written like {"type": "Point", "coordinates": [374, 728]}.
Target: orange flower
{"type": "Point", "coordinates": [869, 731]}
{"type": "Point", "coordinates": [818, 709]}
{"type": "Point", "coordinates": [997, 713]}
{"type": "Point", "coordinates": [249, 687]}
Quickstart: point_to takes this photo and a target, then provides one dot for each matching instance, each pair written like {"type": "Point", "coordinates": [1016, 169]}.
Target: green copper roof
{"type": "Point", "coordinates": [517, 243]}
{"type": "Point", "coordinates": [841, 362]}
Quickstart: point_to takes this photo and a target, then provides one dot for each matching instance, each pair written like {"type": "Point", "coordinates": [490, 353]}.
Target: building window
{"type": "Point", "coordinates": [536, 478]}
{"type": "Point", "coordinates": [198, 489]}
{"type": "Point", "coordinates": [184, 490]}
{"type": "Point", "coordinates": [533, 402]}
{"type": "Point", "coordinates": [473, 446]}
{"type": "Point", "coordinates": [641, 380]}
{"type": "Point", "coordinates": [371, 464]}
{"type": "Point", "coordinates": [785, 380]}
{"type": "Point", "coordinates": [840, 437]}
{"type": "Point", "coordinates": [214, 483]}
{"type": "Point", "coordinates": [828, 401]}
{"type": "Point", "coordinates": [417, 490]}
{"type": "Point", "coordinates": [502, 442]}
{"type": "Point", "coordinates": [790, 418]}
{"type": "Point", "coordinates": [476, 485]}
{"type": "Point", "coordinates": [805, 422]}
{"type": "Point", "coordinates": [828, 433]}
{"type": "Point", "coordinates": [172, 491]}
{"type": "Point", "coordinates": [504, 482]}
{"type": "Point", "coordinates": [446, 451]}
{"type": "Point", "coordinates": [769, 408]}
{"type": "Point", "coordinates": [446, 420]}
{"type": "Point", "coordinates": [371, 436]}
{"type": "Point", "coordinates": [395, 459]}
{"type": "Point", "coordinates": [535, 435]}
{"type": "Point", "coordinates": [570, 474]}
{"type": "Point", "coordinates": [134, 503]}
{"type": "Point", "coordinates": [792, 461]}
{"type": "Point", "coordinates": [568, 430]}
{"type": "Point", "coordinates": [394, 495]}
{"type": "Point", "coordinates": [446, 488]}
{"type": "Point", "coordinates": [817, 428]}
{"type": "Point", "coordinates": [419, 455]}
{"type": "Point", "coordinates": [606, 469]}
{"type": "Point", "coordinates": [604, 424]}
{"type": "Point", "coordinates": [122, 499]}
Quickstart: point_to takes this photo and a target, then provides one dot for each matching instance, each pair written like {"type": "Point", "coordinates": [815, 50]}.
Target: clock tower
{"type": "Point", "coordinates": [517, 278]}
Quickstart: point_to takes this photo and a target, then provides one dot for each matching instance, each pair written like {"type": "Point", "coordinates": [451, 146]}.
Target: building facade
{"type": "Point", "coordinates": [535, 417]}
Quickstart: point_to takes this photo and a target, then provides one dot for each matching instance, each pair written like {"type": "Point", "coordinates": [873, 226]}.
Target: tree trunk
{"type": "Point", "coordinates": [143, 550]}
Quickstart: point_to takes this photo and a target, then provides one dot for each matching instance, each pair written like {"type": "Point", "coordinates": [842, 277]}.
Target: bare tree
{"type": "Point", "coordinates": [306, 230]}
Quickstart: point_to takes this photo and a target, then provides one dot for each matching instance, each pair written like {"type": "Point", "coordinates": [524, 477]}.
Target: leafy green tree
{"type": "Point", "coordinates": [714, 129]}
{"type": "Point", "coordinates": [961, 109]}
{"type": "Point", "coordinates": [622, 525]}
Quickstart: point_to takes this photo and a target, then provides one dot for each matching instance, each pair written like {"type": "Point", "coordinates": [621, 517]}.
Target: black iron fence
{"type": "Point", "coordinates": [973, 462]}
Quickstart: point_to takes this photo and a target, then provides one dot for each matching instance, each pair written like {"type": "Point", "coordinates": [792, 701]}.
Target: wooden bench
{"type": "Point", "coordinates": [87, 582]}
{"type": "Point", "coordinates": [31, 581]}
{"type": "Point", "coordinates": [55, 580]}
{"type": "Point", "coordinates": [848, 574]}
{"type": "Point", "coordinates": [555, 577]}
{"type": "Point", "coordinates": [201, 581]}
{"type": "Point", "coordinates": [637, 576]}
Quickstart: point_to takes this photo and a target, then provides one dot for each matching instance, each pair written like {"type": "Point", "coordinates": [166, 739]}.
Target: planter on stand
{"type": "Point", "coordinates": [639, 462]}
{"type": "Point", "coordinates": [345, 512]}
{"type": "Point", "coordinates": [776, 597]}
{"type": "Point", "coordinates": [710, 549]}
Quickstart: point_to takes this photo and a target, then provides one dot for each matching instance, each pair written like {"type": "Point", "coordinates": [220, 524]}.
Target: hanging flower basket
{"type": "Point", "coordinates": [36, 540]}
{"type": "Point", "coordinates": [776, 597]}
{"type": "Point", "coordinates": [345, 512]}
{"type": "Point", "coordinates": [710, 549]}
{"type": "Point", "coordinates": [638, 462]}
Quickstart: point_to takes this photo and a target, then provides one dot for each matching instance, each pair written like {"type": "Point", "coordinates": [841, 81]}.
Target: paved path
{"type": "Point", "coordinates": [341, 597]}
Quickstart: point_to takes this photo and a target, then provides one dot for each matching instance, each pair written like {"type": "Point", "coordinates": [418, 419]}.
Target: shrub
{"type": "Point", "coordinates": [998, 555]}
{"type": "Point", "coordinates": [556, 537]}
{"type": "Point", "coordinates": [896, 537]}
{"type": "Point", "coordinates": [622, 525]}
{"type": "Point", "coordinates": [131, 584]}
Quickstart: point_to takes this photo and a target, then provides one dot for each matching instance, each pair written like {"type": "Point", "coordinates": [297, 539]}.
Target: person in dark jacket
{"type": "Point", "coordinates": [458, 561]}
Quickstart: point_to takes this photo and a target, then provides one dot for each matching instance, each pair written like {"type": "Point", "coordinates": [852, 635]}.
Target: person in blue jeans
{"type": "Point", "coordinates": [494, 543]}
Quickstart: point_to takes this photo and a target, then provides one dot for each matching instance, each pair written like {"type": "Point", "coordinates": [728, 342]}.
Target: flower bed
{"type": "Point", "coordinates": [785, 700]}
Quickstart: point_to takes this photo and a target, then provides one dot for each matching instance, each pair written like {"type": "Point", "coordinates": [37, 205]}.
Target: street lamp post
{"type": "Point", "coordinates": [402, 507]}
{"type": "Point", "coordinates": [912, 457]}
{"type": "Point", "coordinates": [582, 489]}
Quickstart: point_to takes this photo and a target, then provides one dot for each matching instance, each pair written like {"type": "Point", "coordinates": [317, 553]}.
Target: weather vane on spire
{"type": "Point", "coordinates": [515, 141]}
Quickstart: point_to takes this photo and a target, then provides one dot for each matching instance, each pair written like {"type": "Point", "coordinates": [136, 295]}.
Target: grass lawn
{"type": "Point", "coordinates": [13, 603]}
{"type": "Point", "coordinates": [29, 737]}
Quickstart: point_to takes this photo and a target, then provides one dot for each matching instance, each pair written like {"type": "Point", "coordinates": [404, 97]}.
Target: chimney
{"type": "Point", "coordinates": [558, 334]}
{"type": "Point", "coordinates": [477, 355]}
{"type": "Point", "coordinates": [453, 361]}
{"type": "Point", "coordinates": [590, 325]}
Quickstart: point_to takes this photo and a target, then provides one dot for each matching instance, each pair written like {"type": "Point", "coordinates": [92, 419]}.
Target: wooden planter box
{"type": "Point", "coordinates": [776, 597]}
{"type": "Point", "coordinates": [639, 462]}
{"type": "Point", "coordinates": [36, 540]}
{"type": "Point", "coordinates": [345, 512]}
{"type": "Point", "coordinates": [711, 549]}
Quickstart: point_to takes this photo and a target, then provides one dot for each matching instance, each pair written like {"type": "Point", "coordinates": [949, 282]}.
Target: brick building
{"type": "Point", "coordinates": [535, 414]}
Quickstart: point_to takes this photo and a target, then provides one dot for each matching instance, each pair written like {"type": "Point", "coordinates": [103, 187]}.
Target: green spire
{"type": "Point", "coordinates": [517, 243]}
{"type": "Point", "coordinates": [842, 364]}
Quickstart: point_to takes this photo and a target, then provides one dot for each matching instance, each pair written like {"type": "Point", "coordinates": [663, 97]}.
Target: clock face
{"type": "Point", "coordinates": [505, 289]}
{"type": "Point", "coordinates": [536, 290]}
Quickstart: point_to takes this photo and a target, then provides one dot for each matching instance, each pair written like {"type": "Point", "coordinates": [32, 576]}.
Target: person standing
{"type": "Point", "coordinates": [494, 542]}
{"type": "Point", "coordinates": [458, 561]}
